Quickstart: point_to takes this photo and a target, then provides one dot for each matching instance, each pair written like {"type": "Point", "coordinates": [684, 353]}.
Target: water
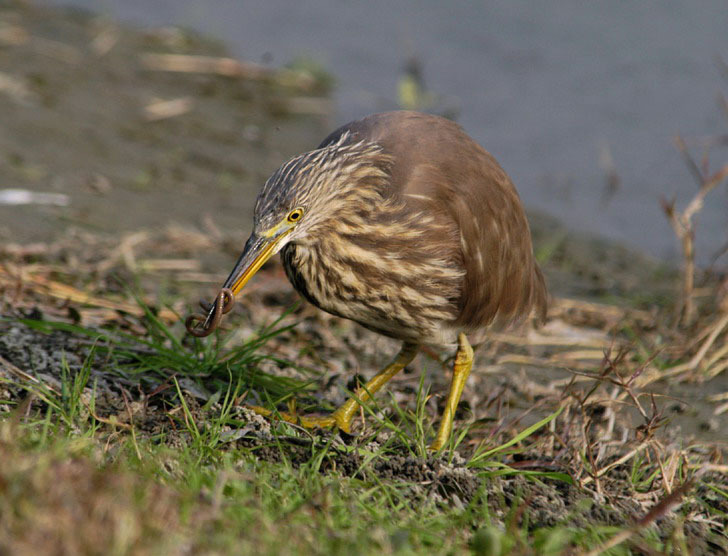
{"type": "Point", "coordinates": [546, 87]}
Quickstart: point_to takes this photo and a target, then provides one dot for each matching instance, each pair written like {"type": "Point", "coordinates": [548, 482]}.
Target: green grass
{"type": "Point", "coordinates": [164, 352]}
{"type": "Point", "coordinates": [215, 497]}
{"type": "Point", "coordinates": [81, 480]}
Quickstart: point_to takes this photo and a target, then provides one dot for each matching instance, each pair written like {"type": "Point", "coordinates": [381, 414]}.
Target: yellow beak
{"type": "Point", "coordinates": [255, 254]}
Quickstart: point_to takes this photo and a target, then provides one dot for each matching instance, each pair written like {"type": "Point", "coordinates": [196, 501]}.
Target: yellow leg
{"type": "Point", "coordinates": [460, 372]}
{"type": "Point", "coordinates": [343, 416]}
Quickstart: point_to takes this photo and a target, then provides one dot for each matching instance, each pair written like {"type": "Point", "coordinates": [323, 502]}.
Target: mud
{"type": "Point", "coordinates": [149, 408]}
{"type": "Point", "coordinates": [74, 123]}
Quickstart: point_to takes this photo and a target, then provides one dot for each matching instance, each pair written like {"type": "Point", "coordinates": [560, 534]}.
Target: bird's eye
{"type": "Point", "coordinates": [295, 215]}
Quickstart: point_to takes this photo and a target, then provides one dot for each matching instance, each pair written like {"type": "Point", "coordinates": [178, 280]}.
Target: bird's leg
{"type": "Point", "coordinates": [460, 372]}
{"type": "Point", "coordinates": [343, 416]}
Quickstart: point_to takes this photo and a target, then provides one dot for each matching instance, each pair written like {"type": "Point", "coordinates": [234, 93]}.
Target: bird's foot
{"type": "Point", "coordinates": [460, 372]}
{"type": "Point", "coordinates": [335, 420]}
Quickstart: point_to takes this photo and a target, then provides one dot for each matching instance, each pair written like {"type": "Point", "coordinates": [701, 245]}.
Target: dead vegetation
{"type": "Point", "coordinates": [683, 226]}
{"type": "Point", "coordinates": [614, 374]}
{"type": "Point", "coordinates": [605, 386]}
{"type": "Point", "coordinates": [612, 414]}
{"type": "Point", "coordinates": [65, 504]}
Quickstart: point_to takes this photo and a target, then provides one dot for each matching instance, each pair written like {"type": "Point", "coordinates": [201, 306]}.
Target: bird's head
{"type": "Point", "coordinates": [307, 194]}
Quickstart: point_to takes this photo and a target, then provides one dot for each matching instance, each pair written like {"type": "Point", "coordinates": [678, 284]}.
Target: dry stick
{"type": "Point", "coordinates": [104, 41]}
{"type": "Point", "coordinates": [722, 323]}
{"type": "Point", "coordinates": [659, 510]}
{"type": "Point", "coordinates": [17, 371]}
{"type": "Point", "coordinates": [562, 305]}
{"type": "Point", "coordinates": [164, 109]}
{"type": "Point", "coordinates": [668, 475]}
{"type": "Point", "coordinates": [715, 370]}
{"type": "Point", "coordinates": [226, 67]}
{"type": "Point", "coordinates": [682, 225]}
{"type": "Point", "coordinates": [625, 458]}
{"type": "Point", "coordinates": [59, 290]}
{"type": "Point", "coordinates": [702, 351]}
{"type": "Point", "coordinates": [131, 423]}
{"type": "Point", "coordinates": [704, 468]}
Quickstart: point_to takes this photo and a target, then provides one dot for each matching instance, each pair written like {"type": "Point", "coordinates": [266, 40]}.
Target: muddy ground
{"type": "Point", "coordinates": [79, 119]}
{"type": "Point", "coordinates": [158, 171]}
{"type": "Point", "coordinates": [77, 122]}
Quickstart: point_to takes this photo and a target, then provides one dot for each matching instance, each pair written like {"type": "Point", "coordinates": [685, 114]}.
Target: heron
{"type": "Point", "coordinates": [403, 223]}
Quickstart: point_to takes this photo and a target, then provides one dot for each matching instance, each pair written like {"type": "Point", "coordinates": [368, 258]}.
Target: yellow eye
{"type": "Point", "coordinates": [295, 215]}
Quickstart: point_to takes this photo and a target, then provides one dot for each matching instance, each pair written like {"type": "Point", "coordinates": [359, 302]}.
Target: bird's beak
{"type": "Point", "coordinates": [258, 249]}
{"type": "Point", "coordinates": [255, 254]}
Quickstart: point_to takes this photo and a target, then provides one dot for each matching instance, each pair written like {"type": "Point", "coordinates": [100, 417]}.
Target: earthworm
{"type": "Point", "coordinates": [223, 303]}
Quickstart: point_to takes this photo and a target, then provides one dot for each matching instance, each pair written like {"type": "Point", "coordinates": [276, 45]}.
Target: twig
{"type": "Point", "coordinates": [659, 510]}
{"type": "Point", "coordinates": [698, 357]}
{"type": "Point", "coordinates": [164, 109]}
{"type": "Point", "coordinates": [17, 89]}
{"type": "Point", "coordinates": [683, 227]}
{"type": "Point", "coordinates": [63, 291]}
{"type": "Point", "coordinates": [105, 40]}
{"type": "Point", "coordinates": [184, 63]}
{"type": "Point", "coordinates": [625, 458]}
{"type": "Point", "coordinates": [131, 423]}
{"type": "Point", "coordinates": [8, 366]}
{"type": "Point", "coordinates": [226, 67]}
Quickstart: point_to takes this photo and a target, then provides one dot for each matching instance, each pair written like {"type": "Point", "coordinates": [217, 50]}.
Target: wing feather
{"type": "Point", "coordinates": [439, 169]}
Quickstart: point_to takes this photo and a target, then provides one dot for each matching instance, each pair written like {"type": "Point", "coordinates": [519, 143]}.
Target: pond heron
{"type": "Point", "coordinates": [403, 223]}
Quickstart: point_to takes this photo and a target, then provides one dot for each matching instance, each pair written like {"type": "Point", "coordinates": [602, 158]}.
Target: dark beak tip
{"type": "Point", "coordinates": [201, 326]}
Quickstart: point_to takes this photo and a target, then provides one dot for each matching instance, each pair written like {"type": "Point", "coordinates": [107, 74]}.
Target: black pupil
{"type": "Point", "coordinates": [295, 215]}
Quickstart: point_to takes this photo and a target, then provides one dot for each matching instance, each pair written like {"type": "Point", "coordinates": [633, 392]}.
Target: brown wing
{"type": "Point", "coordinates": [438, 167]}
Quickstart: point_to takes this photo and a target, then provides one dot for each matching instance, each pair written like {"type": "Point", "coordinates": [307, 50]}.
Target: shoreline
{"type": "Point", "coordinates": [88, 120]}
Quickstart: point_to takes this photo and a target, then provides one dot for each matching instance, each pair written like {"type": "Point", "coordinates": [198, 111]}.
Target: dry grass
{"type": "Point", "coordinates": [121, 435]}
{"type": "Point", "coordinates": [58, 502]}
{"type": "Point", "coordinates": [612, 371]}
{"type": "Point", "coordinates": [682, 223]}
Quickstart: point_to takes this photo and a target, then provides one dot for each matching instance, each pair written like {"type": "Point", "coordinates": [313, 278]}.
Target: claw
{"type": "Point", "coordinates": [335, 420]}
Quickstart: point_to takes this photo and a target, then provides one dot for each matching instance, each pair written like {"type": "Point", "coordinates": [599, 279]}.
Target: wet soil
{"type": "Point", "coordinates": [76, 122]}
